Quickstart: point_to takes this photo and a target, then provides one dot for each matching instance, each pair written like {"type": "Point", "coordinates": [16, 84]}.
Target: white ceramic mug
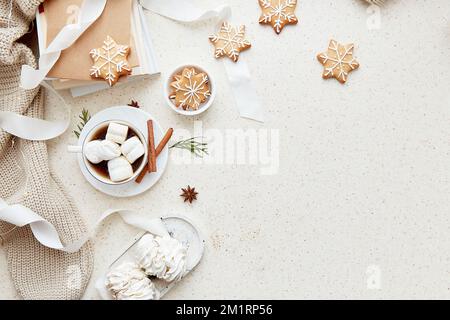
{"type": "Point", "coordinates": [91, 167]}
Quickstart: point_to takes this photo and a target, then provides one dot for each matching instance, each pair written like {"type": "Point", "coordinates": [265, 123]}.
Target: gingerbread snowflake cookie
{"type": "Point", "coordinates": [338, 61]}
{"type": "Point", "coordinates": [278, 13]}
{"type": "Point", "coordinates": [230, 41]}
{"type": "Point", "coordinates": [110, 61]}
{"type": "Point", "coordinates": [190, 89]}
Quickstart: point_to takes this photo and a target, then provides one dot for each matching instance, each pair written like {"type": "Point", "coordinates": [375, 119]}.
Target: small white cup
{"type": "Point", "coordinates": [205, 106]}
{"type": "Point", "coordinates": [91, 167]}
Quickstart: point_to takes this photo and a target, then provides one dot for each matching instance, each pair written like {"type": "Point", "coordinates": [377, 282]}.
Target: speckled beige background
{"type": "Point", "coordinates": [364, 178]}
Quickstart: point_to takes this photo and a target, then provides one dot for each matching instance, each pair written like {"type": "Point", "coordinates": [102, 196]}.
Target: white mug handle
{"type": "Point", "coordinates": [74, 149]}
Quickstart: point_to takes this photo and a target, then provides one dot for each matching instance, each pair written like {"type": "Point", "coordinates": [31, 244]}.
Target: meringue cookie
{"type": "Point", "coordinates": [132, 149]}
{"type": "Point", "coordinates": [129, 282]}
{"type": "Point", "coordinates": [149, 256]}
{"type": "Point", "coordinates": [119, 169]}
{"type": "Point", "coordinates": [139, 290]}
{"type": "Point", "coordinates": [163, 257]}
{"type": "Point", "coordinates": [117, 132]}
{"type": "Point", "coordinates": [97, 151]}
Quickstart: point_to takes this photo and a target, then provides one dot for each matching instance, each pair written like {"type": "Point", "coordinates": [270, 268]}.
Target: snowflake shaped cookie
{"type": "Point", "coordinates": [230, 41]}
{"type": "Point", "coordinates": [191, 89]}
{"type": "Point", "coordinates": [338, 61]}
{"type": "Point", "coordinates": [110, 61]}
{"type": "Point", "coordinates": [278, 13]}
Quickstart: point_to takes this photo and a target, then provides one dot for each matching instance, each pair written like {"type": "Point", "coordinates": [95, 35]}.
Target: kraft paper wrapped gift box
{"type": "Point", "coordinates": [123, 20]}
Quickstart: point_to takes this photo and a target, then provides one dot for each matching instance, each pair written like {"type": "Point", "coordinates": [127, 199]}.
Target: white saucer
{"type": "Point", "coordinates": [138, 118]}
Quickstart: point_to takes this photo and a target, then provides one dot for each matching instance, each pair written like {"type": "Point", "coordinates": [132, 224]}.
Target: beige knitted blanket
{"type": "Point", "coordinates": [37, 272]}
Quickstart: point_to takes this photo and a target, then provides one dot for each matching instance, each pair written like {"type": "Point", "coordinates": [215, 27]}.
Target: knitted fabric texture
{"type": "Point", "coordinates": [37, 271]}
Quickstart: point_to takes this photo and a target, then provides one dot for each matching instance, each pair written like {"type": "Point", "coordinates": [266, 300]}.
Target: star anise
{"type": "Point", "coordinates": [189, 194]}
{"type": "Point", "coordinates": [134, 104]}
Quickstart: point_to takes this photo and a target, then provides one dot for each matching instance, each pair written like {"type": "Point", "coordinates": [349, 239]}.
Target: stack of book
{"type": "Point", "coordinates": [122, 20]}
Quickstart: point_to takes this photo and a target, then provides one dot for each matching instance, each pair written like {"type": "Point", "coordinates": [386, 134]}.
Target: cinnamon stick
{"type": "Point", "coordinates": [151, 147]}
{"type": "Point", "coordinates": [164, 141]}
{"type": "Point", "coordinates": [158, 150]}
{"type": "Point", "coordinates": [141, 175]}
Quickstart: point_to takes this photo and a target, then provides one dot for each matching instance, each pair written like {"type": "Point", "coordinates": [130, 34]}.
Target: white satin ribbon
{"type": "Point", "coordinates": [243, 90]}
{"type": "Point", "coordinates": [43, 230]}
{"type": "Point", "coordinates": [89, 12]}
{"type": "Point", "coordinates": [184, 11]}
{"type": "Point", "coordinates": [32, 128]}
{"type": "Point", "coordinates": [238, 74]}
{"type": "Point", "coordinates": [47, 234]}
{"type": "Point", "coordinates": [135, 219]}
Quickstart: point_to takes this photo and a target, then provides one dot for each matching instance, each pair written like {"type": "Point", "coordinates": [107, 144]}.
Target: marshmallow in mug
{"type": "Point", "coordinates": [132, 149]}
{"type": "Point", "coordinates": [97, 151]}
{"type": "Point", "coordinates": [119, 169]}
{"type": "Point", "coordinates": [117, 133]}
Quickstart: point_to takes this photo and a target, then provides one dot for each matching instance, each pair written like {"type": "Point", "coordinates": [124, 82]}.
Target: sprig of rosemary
{"type": "Point", "coordinates": [84, 117]}
{"type": "Point", "coordinates": [199, 149]}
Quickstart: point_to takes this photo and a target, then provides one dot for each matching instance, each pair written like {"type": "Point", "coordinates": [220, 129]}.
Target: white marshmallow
{"type": "Point", "coordinates": [91, 151]}
{"type": "Point", "coordinates": [117, 132]}
{"type": "Point", "coordinates": [119, 169]}
{"type": "Point", "coordinates": [109, 150]}
{"type": "Point", "coordinates": [97, 151]}
{"type": "Point", "coordinates": [132, 149]}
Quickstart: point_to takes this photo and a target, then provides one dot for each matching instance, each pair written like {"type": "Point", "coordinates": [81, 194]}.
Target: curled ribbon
{"type": "Point", "coordinates": [32, 128]}
{"type": "Point", "coordinates": [44, 232]}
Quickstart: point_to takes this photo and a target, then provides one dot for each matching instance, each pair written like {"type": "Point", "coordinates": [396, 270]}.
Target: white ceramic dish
{"type": "Point", "coordinates": [205, 106]}
{"type": "Point", "coordinates": [138, 118]}
{"type": "Point", "coordinates": [180, 228]}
